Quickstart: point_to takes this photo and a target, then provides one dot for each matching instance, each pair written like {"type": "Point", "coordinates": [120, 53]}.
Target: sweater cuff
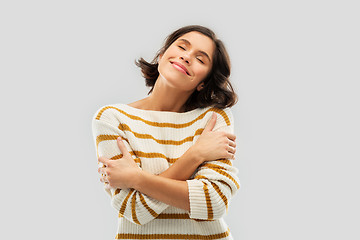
{"type": "Point", "coordinates": [197, 199]}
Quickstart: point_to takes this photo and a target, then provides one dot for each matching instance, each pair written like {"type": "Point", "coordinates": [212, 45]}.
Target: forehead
{"type": "Point", "coordinates": [199, 41]}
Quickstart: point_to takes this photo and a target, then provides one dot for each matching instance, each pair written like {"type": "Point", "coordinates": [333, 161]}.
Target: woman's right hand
{"type": "Point", "coordinates": [214, 145]}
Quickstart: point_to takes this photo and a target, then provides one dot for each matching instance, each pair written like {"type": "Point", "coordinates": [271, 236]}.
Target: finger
{"type": "Point", "coordinates": [232, 143]}
{"type": "Point", "coordinates": [231, 150]}
{"type": "Point", "coordinates": [103, 160]}
{"type": "Point", "coordinates": [231, 156]}
{"type": "Point", "coordinates": [105, 181]}
{"type": "Point", "coordinates": [211, 123]}
{"type": "Point", "coordinates": [102, 171]}
{"type": "Point", "coordinates": [102, 178]}
{"type": "Point", "coordinates": [122, 146]}
{"type": "Point", "coordinates": [230, 136]}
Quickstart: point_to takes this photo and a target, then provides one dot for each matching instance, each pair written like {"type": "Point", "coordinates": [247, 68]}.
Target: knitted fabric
{"type": "Point", "coordinates": [156, 139]}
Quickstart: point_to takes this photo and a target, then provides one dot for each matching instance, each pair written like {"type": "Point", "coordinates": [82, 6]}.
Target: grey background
{"type": "Point", "coordinates": [295, 68]}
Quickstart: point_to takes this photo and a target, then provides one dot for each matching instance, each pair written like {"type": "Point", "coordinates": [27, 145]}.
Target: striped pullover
{"type": "Point", "coordinates": [156, 139]}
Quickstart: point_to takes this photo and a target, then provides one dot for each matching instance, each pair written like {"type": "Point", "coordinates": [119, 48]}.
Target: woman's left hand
{"type": "Point", "coordinates": [119, 173]}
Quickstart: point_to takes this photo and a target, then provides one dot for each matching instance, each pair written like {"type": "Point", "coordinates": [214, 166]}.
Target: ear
{"type": "Point", "coordinates": [160, 56]}
{"type": "Point", "coordinates": [200, 86]}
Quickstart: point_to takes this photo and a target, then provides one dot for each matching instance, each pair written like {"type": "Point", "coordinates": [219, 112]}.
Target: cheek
{"type": "Point", "coordinates": [169, 52]}
{"type": "Point", "coordinates": [201, 72]}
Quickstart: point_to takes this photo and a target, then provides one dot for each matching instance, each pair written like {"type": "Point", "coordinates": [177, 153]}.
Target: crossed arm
{"type": "Point", "coordinates": [169, 187]}
{"type": "Point", "coordinates": [172, 187]}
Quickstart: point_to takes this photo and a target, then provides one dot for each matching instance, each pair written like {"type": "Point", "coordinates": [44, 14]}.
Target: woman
{"type": "Point", "coordinates": [164, 159]}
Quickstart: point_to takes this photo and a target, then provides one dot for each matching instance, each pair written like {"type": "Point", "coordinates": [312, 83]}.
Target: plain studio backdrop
{"type": "Point", "coordinates": [295, 67]}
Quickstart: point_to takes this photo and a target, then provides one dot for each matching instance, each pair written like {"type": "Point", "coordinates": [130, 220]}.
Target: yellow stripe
{"type": "Point", "coordinates": [117, 191]}
{"type": "Point", "coordinates": [220, 170]}
{"type": "Point", "coordinates": [172, 236]}
{"type": "Point", "coordinates": [170, 125]}
{"type": "Point", "coordinates": [151, 211]}
{"type": "Point", "coordinates": [137, 160]}
{"type": "Point", "coordinates": [124, 127]}
{"type": "Point", "coordinates": [222, 181]}
{"type": "Point", "coordinates": [208, 202]}
{"type": "Point", "coordinates": [123, 206]}
{"type": "Point", "coordinates": [223, 197]}
{"type": "Point", "coordinates": [228, 176]}
{"type": "Point", "coordinates": [178, 216]}
{"type": "Point", "coordinates": [117, 157]}
{"type": "Point", "coordinates": [201, 177]}
{"type": "Point", "coordinates": [173, 216]}
{"type": "Point", "coordinates": [105, 137]}
{"type": "Point", "coordinates": [155, 155]}
{"type": "Point", "coordinates": [101, 138]}
{"type": "Point", "coordinates": [225, 183]}
{"type": "Point", "coordinates": [138, 154]}
{"type": "Point", "coordinates": [213, 166]}
{"type": "Point", "coordinates": [133, 211]}
{"type": "Point", "coordinates": [226, 161]}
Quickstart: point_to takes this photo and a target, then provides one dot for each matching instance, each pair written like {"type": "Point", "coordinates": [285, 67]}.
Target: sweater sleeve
{"type": "Point", "coordinates": [214, 183]}
{"type": "Point", "coordinates": [130, 203]}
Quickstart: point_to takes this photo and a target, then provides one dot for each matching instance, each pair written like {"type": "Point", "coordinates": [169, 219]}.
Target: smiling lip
{"type": "Point", "coordinates": [183, 68]}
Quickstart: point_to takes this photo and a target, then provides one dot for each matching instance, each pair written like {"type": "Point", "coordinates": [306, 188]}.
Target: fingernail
{"type": "Point", "coordinates": [119, 138]}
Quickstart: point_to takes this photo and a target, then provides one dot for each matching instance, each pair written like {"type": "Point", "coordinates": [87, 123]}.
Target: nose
{"type": "Point", "coordinates": [185, 58]}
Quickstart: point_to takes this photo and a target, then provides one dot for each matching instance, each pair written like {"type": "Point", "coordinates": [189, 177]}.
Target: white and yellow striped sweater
{"type": "Point", "coordinates": [156, 139]}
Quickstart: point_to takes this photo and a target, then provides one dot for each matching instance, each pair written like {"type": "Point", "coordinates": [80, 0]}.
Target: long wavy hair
{"type": "Point", "coordinates": [217, 91]}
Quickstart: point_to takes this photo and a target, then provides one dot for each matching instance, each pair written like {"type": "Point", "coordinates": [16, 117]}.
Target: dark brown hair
{"type": "Point", "coordinates": [217, 92]}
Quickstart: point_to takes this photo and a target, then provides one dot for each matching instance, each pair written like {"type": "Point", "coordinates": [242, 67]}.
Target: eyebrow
{"type": "Point", "coordinates": [188, 43]}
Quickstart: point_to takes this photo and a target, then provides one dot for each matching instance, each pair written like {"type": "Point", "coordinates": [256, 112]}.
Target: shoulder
{"type": "Point", "coordinates": [224, 118]}
{"type": "Point", "coordinates": [109, 113]}
{"type": "Point", "coordinates": [224, 115]}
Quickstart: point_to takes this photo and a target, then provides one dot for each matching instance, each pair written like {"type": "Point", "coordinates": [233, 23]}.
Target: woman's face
{"type": "Point", "coordinates": [187, 61]}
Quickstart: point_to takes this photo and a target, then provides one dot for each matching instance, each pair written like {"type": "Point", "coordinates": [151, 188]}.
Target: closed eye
{"type": "Point", "coordinates": [197, 58]}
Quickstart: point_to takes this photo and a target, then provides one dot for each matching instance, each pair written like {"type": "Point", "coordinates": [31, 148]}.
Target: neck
{"type": "Point", "coordinates": [166, 98]}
